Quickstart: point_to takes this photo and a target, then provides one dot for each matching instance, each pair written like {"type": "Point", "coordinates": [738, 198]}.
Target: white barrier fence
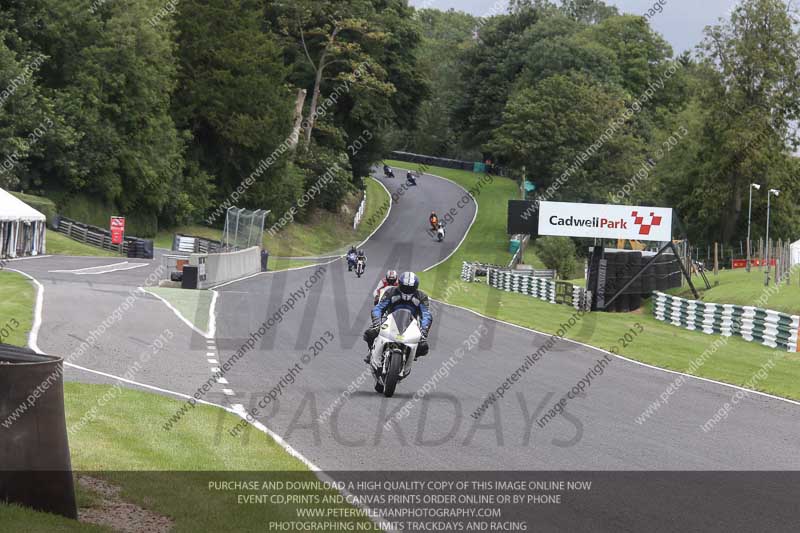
{"type": "Point", "coordinates": [360, 212]}
{"type": "Point", "coordinates": [764, 326]}
{"type": "Point", "coordinates": [214, 269]}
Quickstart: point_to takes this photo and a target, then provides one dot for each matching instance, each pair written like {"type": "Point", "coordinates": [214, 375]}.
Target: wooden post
{"type": "Point", "coordinates": [716, 263]}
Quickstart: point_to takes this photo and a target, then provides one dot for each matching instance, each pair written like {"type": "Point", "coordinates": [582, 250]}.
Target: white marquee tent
{"type": "Point", "coordinates": [22, 228]}
{"type": "Point", "coordinates": [795, 253]}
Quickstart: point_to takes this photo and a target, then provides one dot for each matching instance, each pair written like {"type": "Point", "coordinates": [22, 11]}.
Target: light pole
{"type": "Point", "coordinates": [776, 192]}
{"type": "Point", "coordinates": [755, 186]}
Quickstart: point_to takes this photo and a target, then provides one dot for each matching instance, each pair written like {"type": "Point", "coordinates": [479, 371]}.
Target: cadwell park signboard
{"type": "Point", "coordinates": [604, 221]}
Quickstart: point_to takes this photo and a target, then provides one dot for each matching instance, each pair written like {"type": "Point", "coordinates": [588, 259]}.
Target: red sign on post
{"type": "Point", "coordinates": [117, 229]}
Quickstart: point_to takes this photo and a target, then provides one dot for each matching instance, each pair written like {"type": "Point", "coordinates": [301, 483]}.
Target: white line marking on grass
{"type": "Point", "coordinates": [33, 335]}
{"type": "Point", "coordinates": [621, 357]}
{"type": "Point", "coordinates": [177, 313]}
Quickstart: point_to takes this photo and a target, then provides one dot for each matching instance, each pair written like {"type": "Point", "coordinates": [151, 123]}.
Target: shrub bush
{"type": "Point", "coordinates": [557, 253]}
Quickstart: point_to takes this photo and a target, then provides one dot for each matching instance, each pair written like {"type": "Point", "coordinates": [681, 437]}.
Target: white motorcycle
{"type": "Point", "coordinates": [360, 266]}
{"type": "Point", "coordinates": [440, 233]}
{"type": "Point", "coordinates": [394, 350]}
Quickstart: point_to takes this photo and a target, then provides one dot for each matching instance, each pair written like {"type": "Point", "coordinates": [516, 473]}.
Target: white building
{"type": "Point", "coordinates": [22, 228]}
{"type": "Point", "coordinates": [795, 253]}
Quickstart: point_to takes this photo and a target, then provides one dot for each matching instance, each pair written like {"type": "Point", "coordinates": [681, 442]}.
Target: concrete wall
{"type": "Point", "coordinates": [213, 269]}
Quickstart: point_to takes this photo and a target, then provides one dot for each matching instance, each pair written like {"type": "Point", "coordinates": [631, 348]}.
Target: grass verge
{"type": "Point", "coordinates": [658, 344]}
{"type": "Point", "coordinates": [60, 244]}
{"type": "Point", "coordinates": [325, 234]}
{"type": "Point", "coordinates": [743, 288]}
{"type": "Point", "coordinates": [194, 305]}
{"type": "Point", "coordinates": [16, 308]}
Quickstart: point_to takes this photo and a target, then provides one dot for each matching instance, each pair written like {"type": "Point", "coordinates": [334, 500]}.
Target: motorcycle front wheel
{"type": "Point", "coordinates": [392, 373]}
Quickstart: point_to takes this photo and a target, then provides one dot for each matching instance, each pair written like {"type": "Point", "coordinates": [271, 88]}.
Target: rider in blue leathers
{"type": "Point", "coordinates": [405, 296]}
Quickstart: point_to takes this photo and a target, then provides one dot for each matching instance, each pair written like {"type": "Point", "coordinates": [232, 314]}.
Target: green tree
{"type": "Point", "coordinates": [233, 100]}
{"type": "Point", "coordinates": [569, 133]}
{"type": "Point", "coordinates": [747, 100]}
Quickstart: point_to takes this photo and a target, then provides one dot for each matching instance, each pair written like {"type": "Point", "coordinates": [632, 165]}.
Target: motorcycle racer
{"type": "Point", "coordinates": [389, 281]}
{"type": "Point", "coordinates": [405, 296]}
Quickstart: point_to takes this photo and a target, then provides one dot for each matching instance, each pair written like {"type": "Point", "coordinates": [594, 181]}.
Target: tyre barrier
{"type": "Point", "coordinates": [763, 326]}
{"type": "Point", "coordinates": [132, 247]}
{"type": "Point", "coordinates": [35, 468]}
{"type": "Point", "coordinates": [542, 288]}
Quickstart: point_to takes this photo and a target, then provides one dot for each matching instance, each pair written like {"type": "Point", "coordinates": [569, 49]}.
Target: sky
{"type": "Point", "coordinates": [681, 22]}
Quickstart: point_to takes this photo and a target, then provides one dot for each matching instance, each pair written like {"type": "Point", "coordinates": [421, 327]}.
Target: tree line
{"type": "Point", "coordinates": [165, 109]}
{"type": "Point", "coordinates": [169, 109]}
{"type": "Point", "coordinates": [593, 106]}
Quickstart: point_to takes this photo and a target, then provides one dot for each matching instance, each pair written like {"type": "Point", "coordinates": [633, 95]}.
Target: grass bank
{"type": "Point", "coordinates": [60, 244]}
{"type": "Point", "coordinates": [194, 305]}
{"type": "Point", "coordinates": [744, 288]}
{"type": "Point", "coordinates": [16, 308]}
{"type": "Point", "coordinates": [658, 344]}
{"type": "Point", "coordinates": [325, 234]}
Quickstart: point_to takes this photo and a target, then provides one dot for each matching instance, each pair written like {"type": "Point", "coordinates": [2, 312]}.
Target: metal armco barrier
{"type": "Point", "coordinates": [131, 246]}
{"type": "Point", "coordinates": [766, 327]}
{"type": "Point", "coordinates": [35, 468]}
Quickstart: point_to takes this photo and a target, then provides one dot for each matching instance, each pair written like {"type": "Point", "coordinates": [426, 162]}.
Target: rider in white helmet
{"type": "Point", "coordinates": [405, 295]}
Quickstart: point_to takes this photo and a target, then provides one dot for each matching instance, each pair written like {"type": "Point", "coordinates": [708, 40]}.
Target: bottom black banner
{"type": "Point", "coordinates": [470, 501]}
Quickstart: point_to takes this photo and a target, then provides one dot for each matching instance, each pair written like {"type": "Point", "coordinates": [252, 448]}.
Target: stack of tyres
{"type": "Point", "coordinates": [675, 274]}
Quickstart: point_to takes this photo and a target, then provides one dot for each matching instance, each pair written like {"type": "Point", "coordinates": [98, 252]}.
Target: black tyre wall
{"type": "Point", "coordinates": [35, 468]}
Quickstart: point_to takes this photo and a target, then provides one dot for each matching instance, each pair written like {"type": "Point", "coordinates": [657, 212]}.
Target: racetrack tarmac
{"type": "Point", "coordinates": [337, 430]}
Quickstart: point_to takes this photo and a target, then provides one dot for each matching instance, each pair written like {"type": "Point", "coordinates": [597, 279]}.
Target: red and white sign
{"type": "Point", "coordinates": [605, 221]}
{"type": "Point", "coordinates": [117, 229]}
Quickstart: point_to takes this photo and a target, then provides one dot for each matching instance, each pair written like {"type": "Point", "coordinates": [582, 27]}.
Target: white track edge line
{"type": "Point", "coordinates": [288, 448]}
{"type": "Point", "coordinates": [212, 315]}
{"type": "Point", "coordinates": [121, 269]}
{"type": "Point", "coordinates": [640, 363]}
{"type": "Point", "coordinates": [469, 228]}
{"type": "Point", "coordinates": [76, 270]}
{"type": "Point", "coordinates": [33, 334]}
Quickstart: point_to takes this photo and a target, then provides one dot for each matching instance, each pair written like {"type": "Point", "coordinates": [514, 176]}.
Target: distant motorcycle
{"type": "Point", "coordinates": [361, 265]}
{"type": "Point", "coordinates": [394, 350]}
{"type": "Point", "coordinates": [440, 233]}
{"type": "Point", "coordinates": [411, 180]}
{"type": "Point", "coordinates": [351, 261]}
{"type": "Point", "coordinates": [388, 172]}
